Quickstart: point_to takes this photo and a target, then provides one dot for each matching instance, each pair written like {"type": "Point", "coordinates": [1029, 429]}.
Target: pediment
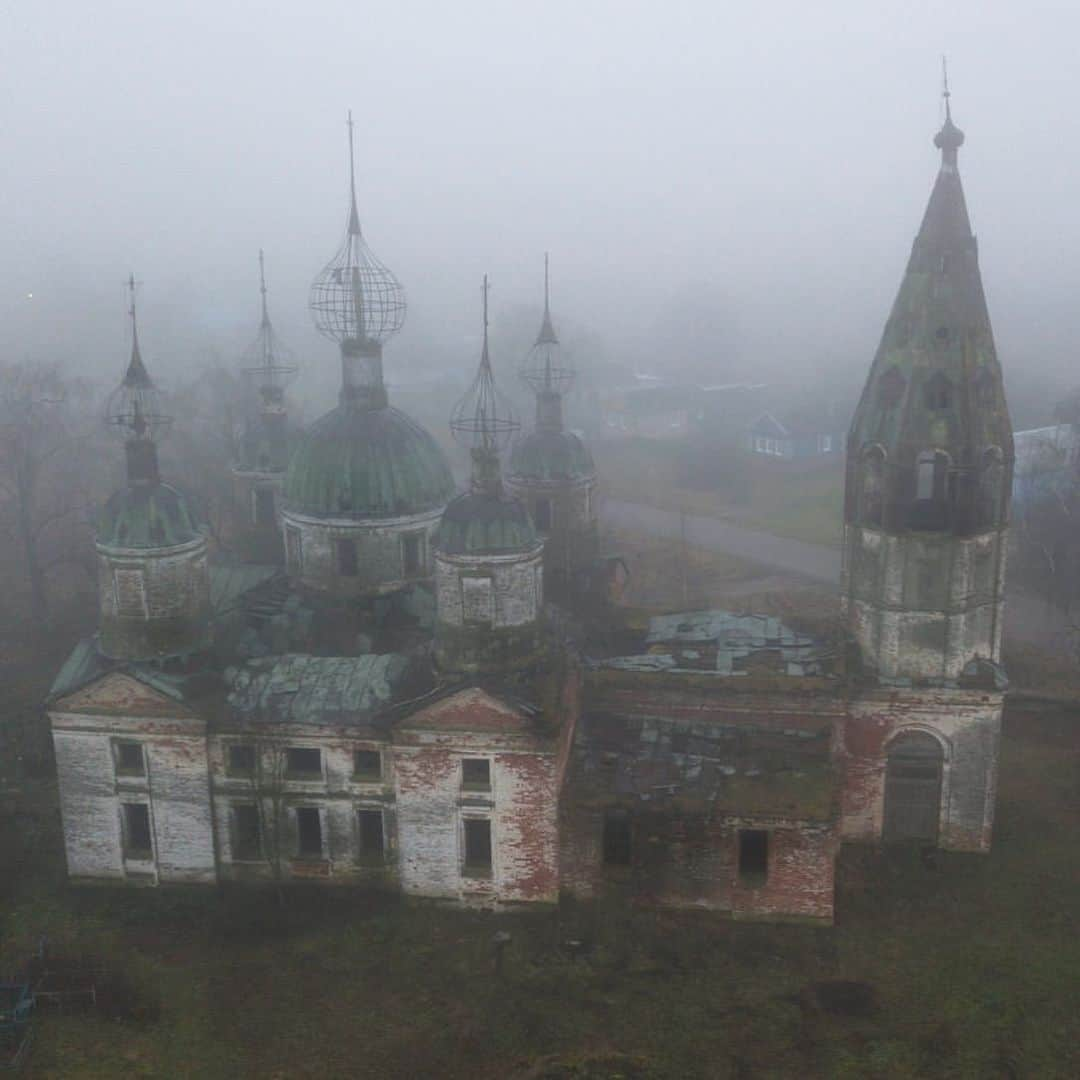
{"type": "Point", "coordinates": [469, 709]}
{"type": "Point", "coordinates": [120, 694]}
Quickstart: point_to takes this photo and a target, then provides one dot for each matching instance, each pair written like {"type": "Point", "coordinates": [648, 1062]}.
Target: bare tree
{"type": "Point", "coordinates": [268, 782]}
{"type": "Point", "coordinates": [45, 485]}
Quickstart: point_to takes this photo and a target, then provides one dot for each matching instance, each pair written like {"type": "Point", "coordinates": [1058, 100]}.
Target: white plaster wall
{"type": "Point", "coordinates": [517, 584]}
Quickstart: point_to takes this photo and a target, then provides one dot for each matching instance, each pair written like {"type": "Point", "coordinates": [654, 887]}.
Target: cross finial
{"type": "Point", "coordinates": [945, 86]}
{"type": "Point", "coordinates": [484, 357]}
{"type": "Point", "coordinates": [547, 291]}
{"type": "Point", "coordinates": [262, 286]}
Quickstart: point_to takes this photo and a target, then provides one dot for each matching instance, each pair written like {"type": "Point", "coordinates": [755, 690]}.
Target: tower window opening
{"type": "Point", "coordinates": [872, 494]}
{"type": "Point", "coordinates": [934, 487]}
{"type": "Point", "coordinates": [542, 515]}
{"type": "Point", "coordinates": [412, 554]}
{"type": "Point", "coordinates": [991, 485]}
{"type": "Point", "coordinates": [263, 509]}
{"type": "Point", "coordinates": [938, 393]}
{"type": "Point", "coordinates": [294, 552]}
{"type": "Point", "coordinates": [346, 558]}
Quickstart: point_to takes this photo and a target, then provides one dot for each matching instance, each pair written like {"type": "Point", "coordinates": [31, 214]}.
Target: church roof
{"type": "Point", "coordinates": [147, 516]}
{"type": "Point", "coordinates": [478, 523]}
{"type": "Point", "coordinates": [367, 463]}
{"type": "Point", "coordinates": [935, 382]}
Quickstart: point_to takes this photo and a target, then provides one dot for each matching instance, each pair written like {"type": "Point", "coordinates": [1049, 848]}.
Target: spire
{"type": "Point", "coordinates": [136, 375]}
{"type": "Point", "coordinates": [262, 289]}
{"type": "Point", "coordinates": [950, 138]}
{"type": "Point", "coordinates": [354, 216]}
{"type": "Point", "coordinates": [547, 331]}
{"type": "Point", "coordinates": [266, 361]}
{"type": "Point", "coordinates": [483, 420]}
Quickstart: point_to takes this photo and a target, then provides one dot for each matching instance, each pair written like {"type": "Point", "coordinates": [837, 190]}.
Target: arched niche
{"type": "Point", "coordinates": [913, 781]}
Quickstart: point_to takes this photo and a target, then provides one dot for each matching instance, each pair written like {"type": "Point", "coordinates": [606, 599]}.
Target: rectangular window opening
{"type": "Point", "coordinates": [294, 552]}
{"type": "Point", "coordinates": [129, 759]}
{"type": "Point", "coordinates": [264, 506]}
{"type": "Point", "coordinates": [372, 837]}
{"type": "Point", "coordinates": [303, 763]}
{"type": "Point", "coordinates": [542, 514]}
{"type": "Point", "coordinates": [367, 764]}
{"type": "Point", "coordinates": [618, 848]}
{"type": "Point", "coordinates": [241, 759]}
{"type": "Point", "coordinates": [477, 847]}
{"type": "Point", "coordinates": [247, 834]}
{"type": "Point", "coordinates": [412, 554]}
{"type": "Point", "coordinates": [308, 832]}
{"type": "Point", "coordinates": [346, 558]}
{"type": "Point", "coordinates": [476, 774]}
{"type": "Point", "coordinates": [137, 843]}
{"type": "Point", "coordinates": [753, 857]}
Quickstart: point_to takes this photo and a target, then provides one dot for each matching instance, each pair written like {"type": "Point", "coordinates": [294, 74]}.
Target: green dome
{"type": "Point", "coordinates": [367, 463]}
{"type": "Point", "coordinates": [551, 457]}
{"type": "Point", "coordinates": [147, 516]}
{"type": "Point", "coordinates": [477, 524]}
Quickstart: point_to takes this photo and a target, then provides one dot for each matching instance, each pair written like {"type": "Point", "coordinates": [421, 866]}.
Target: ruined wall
{"type": "Point", "coordinates": [153, 602]}
{"type": "Point", "coordinates": [521, 806]}
{"type": "Point", "coordinates": [922, 605]}
{"type": "Point", "coordinates": [686, 858]}
{"type": "Point", "coordinates": [174, 786]}
{"type": "Point", "coordinates": [967, 723]}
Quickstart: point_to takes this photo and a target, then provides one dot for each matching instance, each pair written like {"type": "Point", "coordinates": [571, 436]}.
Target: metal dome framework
{"type": "Point", "coordinates": [134, 410]}
{"type": "Point", "coordinates": [269, 364]}
{"type": "Point", "coordinates": [355, 297]}
{"type": "Point", "coordinates": [483, 419]}
{"type": "Point", "coordinates": [546, 368]}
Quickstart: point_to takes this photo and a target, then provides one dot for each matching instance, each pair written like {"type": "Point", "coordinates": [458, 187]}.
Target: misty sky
{"type": "Point", "coordinates": [765, 163]}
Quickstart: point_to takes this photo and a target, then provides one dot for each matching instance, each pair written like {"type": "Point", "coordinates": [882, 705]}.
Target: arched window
{"type": "Point", "coordinates": [872, 487]}
{"type": "Point", "coordinates": [930, 506]}
{"type": "Point", "coordinates": [991, 488]}
{"type": "Point", "coordinates": [913, 788]}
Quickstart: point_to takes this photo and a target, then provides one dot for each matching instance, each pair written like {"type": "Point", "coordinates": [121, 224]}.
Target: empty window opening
{"type": "Point", "coordinates": [367, 764]}
{"type": "Point", "coordinates": [933, 491]}
{"type": "Point", "coordinates": [294, 552]}
{"type": "Point", "coordinates": [477, 847]}
{"type": "Point", "coordinates": [938, 393]}
{"type": "Point", "coordinates": [542, 515]}
{"type": "Point", "coordinates": [346, 558]}
{"type": "Point", "coordinates": [412, 554]}
{"type": "Point", "coordinates": [129, 593]}
{"type": "Point", "coordinates": [476, 774]}
{"type": "Point", "coordinates": [264, 506]}
{"type": "Point", "coordinates": [303, 763]}
{"type": "Point", "coordinates": [241, 759]}
{"type": "Point", "coordinates": [308, 831]}
{"type": "Point", "coordinates": [129, 759]}
{"type": "Point", "coordinates": [372, 837]}
{"type": "Point", "coordinates": [618, 848]}
{"type": "Point", "coordinates": [873, 487]}
{"type": "Point", "coordinates": [753, 856]}
{"type": "Point", "coordinates": [137, 844]}
{"type": "Point", "coordinates": [477, 600]}
{"type": "Point", "coordinates": [913, 788]}
{"type": "Point", "coordinates": [247, 834]}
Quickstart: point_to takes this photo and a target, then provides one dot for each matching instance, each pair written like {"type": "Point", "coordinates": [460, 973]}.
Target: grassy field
{"type": "Point", "coordinates": [969, 965]}
{"type": "Point", "coordinates": [804, 505]}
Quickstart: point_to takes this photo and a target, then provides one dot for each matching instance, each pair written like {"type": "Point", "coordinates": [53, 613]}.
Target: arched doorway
{"type": "Point", "coordinates": [913, 789]}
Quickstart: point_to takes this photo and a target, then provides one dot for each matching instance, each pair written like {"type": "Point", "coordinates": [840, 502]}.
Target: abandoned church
{"type": "Point", "coordinates": [410, 688]}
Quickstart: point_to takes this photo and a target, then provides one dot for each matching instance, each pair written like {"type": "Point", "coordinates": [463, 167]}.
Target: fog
{"type": "Point", "coordinates": [738, 180]}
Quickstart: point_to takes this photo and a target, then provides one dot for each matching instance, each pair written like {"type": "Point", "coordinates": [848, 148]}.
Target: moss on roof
{"type": "Point", "coordinates": [147, 516]}
{"type": "Point", "coordinates": [551, 457]}
{"type": "Point", "coordinates": [367, 463]}
{"type": "Point", "coordinates": [478, 524]}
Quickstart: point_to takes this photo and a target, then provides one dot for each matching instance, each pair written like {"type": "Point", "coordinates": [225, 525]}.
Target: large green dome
{"type": "Point", "coordinates": [367, 463]}
{"type": "Point", "coordinates": [551, 457]}
{"type": "Point", "coordinates": [479, 524]}
{"type": "Point", "coordinates": [147, 516]}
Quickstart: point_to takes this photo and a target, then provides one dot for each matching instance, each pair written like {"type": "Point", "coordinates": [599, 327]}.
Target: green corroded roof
{"type": "Point", "coordinates": [367, 463]}
{"type": "Point", "coordinates": [480, 524]}
{"type": "Point", "coordinates": [551, 457]}
{"type": "Point", "coordinates": [935, 381]}
{"type": "Point", "coordinates": [147, 516]}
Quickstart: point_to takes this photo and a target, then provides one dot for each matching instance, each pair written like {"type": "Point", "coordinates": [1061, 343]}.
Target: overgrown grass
{"type": "Point", "coordinates": [973, 961]}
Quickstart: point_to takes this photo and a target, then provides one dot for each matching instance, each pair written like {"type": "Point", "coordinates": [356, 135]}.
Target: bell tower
{"type": "Point", "coordinates": [930, 460]}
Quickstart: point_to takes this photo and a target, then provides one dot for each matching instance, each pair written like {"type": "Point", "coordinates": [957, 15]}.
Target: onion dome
{"type": "Point", "coordinates": [268, 364]}
{"type": "Point", "coordinates": [356, 300]}
{"type": "Point", "coordinates": [551, 457]}
{"type": "Point", "coordinates": [483, 420]}
{"type": "Point", "coordinates": [357, 463]}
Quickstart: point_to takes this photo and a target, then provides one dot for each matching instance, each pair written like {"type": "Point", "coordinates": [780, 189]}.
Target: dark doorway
{"type": "Point", "coordinates": [913, 789]}
{"type": "Point", "coordinates": [477, 847]}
